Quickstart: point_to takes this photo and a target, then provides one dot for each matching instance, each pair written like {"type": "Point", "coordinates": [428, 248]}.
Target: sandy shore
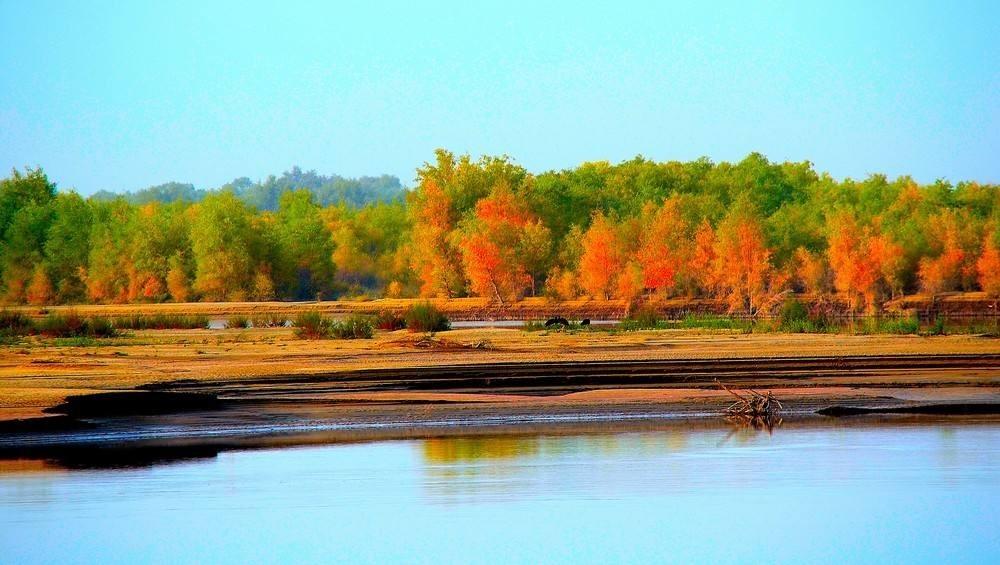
{"type": "Point", "coordinates": [503, 371]}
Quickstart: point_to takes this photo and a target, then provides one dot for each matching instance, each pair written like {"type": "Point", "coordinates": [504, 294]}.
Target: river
{"type": "Point", "coordinates": [899, 491]}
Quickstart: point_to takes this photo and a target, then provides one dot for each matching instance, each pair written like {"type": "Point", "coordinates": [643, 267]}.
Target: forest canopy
{"type": "Point", "coordinates": [740, 232]}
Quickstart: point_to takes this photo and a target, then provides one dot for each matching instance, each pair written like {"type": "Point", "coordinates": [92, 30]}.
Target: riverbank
{"type": "Point", "coordinates": [492, 373]}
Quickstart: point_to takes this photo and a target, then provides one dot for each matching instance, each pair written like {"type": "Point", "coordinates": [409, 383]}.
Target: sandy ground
{"type": "Point", "coordinates": [362, 376]}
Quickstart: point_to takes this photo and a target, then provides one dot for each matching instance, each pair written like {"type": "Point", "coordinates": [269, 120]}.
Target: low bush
{"type": "Point", "coordinates": [425, 317]}
{"type": "Point", "coordinates": [101, 327]}
{"type": "Point", "coordinates": [353, 327]}
{"type": "Point", "coordinates": [936, 327]}
{"type": "Point", "coordinates": [237, 322]}
{"type": "Point", "coordinates": [72, 324]}
{"type": "Point", "coordinates": [713, 322]}
{"type": "Point", "coordinates": [794, 317]}
{"type": "Point", "coordinates": [900, 326]}
{"type": "Point", "coordinates": [161, 322]}
{"type": "Point", "coordinates": [389, 321]}
{"type": "Point", "coordinates": [645, 318]}
{"type": "Point", "coordinates": [312, 325]}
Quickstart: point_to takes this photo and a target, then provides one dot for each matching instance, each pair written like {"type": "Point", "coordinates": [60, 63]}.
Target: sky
{"type": "Point", "coordinates": [124, 95]}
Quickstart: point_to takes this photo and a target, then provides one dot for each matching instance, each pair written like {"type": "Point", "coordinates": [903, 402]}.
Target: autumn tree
{"type": "Point", "coordinates": [503, 246]}
{"type": "Point", "coordinates": [601, 259]}
{"type": "Point", "coordinates": [703, 257]}
{"type": "Point", "coordinates": [742, 266]}
{"type": "Point", "coordinates": [863, 261]}
{"type": "Point", "coordinates": [179, 278]}
{"type": "Point", "coordinates": [665, 249]}
{"type": "Point", "coordinates": [812, 272]}
{"type": "Point", "coordinates": [436, 259]}
{"type": "Point", "coordinates": [40, 291]}
{"type": "Point", "coordinates": [988, 266]}
{"type": "Point", "coordinates": [953, 263]}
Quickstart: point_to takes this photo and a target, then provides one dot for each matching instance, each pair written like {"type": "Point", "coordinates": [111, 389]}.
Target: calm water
{"type": "Point", "coordinates": [895, 493]}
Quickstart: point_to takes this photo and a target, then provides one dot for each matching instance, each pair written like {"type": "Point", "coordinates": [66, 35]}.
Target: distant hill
{"type": "Point", "coordinates": [264, 195]}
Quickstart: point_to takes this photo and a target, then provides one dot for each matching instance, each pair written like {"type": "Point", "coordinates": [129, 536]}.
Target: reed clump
{"type": "Point", "coordinates": [425, 317]}
{"type": "Point", "coordinates": [313, 325]}
{"type": "Point", "coordinates": [161, 322]}
{"type": "Point", "coordinates": [72, 324]}
{"type": "Point", "coordinates": [237, 322]}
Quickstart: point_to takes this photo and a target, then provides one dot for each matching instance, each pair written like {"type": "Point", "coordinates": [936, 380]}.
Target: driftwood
{"type": "Point", "coordinates": [753, 404]}
{"type": "Point", "coordinates": [754, 409]}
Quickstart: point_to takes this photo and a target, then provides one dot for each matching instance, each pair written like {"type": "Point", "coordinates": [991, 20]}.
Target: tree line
{"type": "Point", "coordinates": [744, 232]}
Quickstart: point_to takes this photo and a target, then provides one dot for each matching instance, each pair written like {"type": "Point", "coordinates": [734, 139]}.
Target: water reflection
{"type": "Point", "coordinates": [901, 491]}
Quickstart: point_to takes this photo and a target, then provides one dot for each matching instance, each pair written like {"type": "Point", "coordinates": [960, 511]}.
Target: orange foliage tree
{"type": "Point", "coordinates": [812, 271]}
{"type": "Point", "coordinates": [435, 260]}
{"type": "Point", "coordinates": [988, 267]}
{"type": "Point", "coordinates": [742, 267]}
{"type": "Point", "coordinates": [703, 258]}
{"type": "Point", "coordinates": [664, 249]}
{"type": "Point", "coordinates": [40, 291]}
{"type": "Point", "coordinates": [500, 245]}
{"type": "Point", "coordinates": [954, 266]}
{"type": "Point", "coordinates": [601, 260]}
{"type": "Point", "coordinates": [862, 261]}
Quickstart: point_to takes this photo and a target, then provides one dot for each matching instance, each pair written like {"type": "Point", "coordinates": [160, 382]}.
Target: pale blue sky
{"type": "Point", "coordinates": [128, 94]}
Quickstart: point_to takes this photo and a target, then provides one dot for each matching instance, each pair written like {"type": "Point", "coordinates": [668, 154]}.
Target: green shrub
{"type": "Point", "coordinates": [353, 327]}
{"type": "Point", "coordinates": [389, 321]}
{"type": "Point", "coordinates": [792, 312]}
{"type": "Point", "coordinates": [237, 321]}
{"type": "Point", "coordinates": [312, 325]}
{"type": "Point", "coordinates": [161, 322]}
{"type": "Point", "coordinates": [899, 326]}
{"type": "Point", "coordinates": [425, 317]}
{"type": "Point", "coordinates": [102, 327]}
{"type": "Point", "coordinates": [936, 327]}
{"type": "Point", "coordinates": [645, 318]}
{"type": "Point", "coordinates": [794, 317]}
{"type": "Point", "coordinates": [714, 322]}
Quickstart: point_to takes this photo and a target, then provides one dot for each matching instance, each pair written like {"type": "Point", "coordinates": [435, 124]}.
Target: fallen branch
{"type": "Point", "coordinates": [754, 405]}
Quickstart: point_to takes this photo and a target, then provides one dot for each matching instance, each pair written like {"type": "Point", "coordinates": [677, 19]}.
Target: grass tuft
{"type": "Point", "coordinates": [425, 317]}
{"type": "Point", "coordinates": [237, 322]}
{"type": "Point", "coordinates": [161, 322]}
{"type": "Point", "coordinates": [353, 327]}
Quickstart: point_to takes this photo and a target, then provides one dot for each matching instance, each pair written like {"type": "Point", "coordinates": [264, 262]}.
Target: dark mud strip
{"type": "Point", "coordinates": [123, 456]}
{"type": "Point", "coordinates": [73, 414]}
{"type": "Point", "coordinates": [139, 403]}
{"type": "Point", "coordinates": [41, 425]}
{"type": "Point", "coordinates": [969, 409]}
